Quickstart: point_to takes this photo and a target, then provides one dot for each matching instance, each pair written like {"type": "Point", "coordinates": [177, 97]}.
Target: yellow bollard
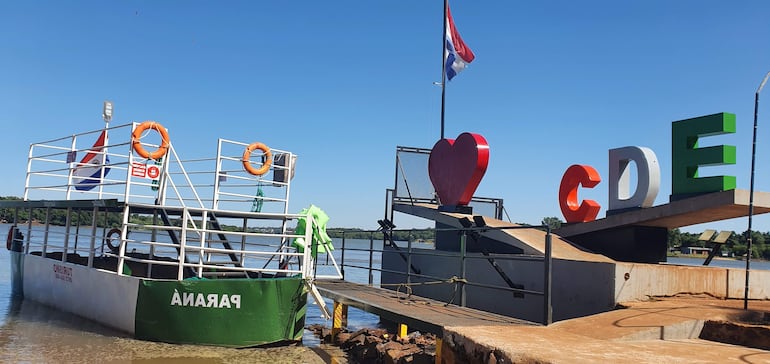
{"type": "Point", "coordinates": [438, 351]}
{"type": "Point", "coordinates": [340, 319]}
{"type": "Point", "coordinates": [402, 331]}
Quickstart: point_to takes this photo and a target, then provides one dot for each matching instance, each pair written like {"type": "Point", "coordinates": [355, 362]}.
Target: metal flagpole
{"type": "Point", "coordinates": [751, 193]}
{"type": "Point", "coordinates": [443, 69]}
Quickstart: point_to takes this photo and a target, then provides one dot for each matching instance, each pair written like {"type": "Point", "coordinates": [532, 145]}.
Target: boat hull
{"type": "Point", "coordinates": [236, 312]}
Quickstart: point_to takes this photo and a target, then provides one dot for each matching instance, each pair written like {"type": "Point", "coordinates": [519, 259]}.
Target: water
{"type": "Point", "coordinates": [721, 262]}
{"type": "Point", "coordinates": [33, 333]}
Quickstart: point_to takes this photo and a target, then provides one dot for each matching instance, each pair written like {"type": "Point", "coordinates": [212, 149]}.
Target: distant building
{"type": "Point", "coordinates": [694, 250]}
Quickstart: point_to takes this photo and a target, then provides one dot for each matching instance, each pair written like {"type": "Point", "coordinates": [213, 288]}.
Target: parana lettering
{"type": "Point", "coordinates": [211, 300]}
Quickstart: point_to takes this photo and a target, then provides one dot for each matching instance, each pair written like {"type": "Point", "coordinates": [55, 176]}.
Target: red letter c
{"type": "Point", "coordinates": [573, 211]}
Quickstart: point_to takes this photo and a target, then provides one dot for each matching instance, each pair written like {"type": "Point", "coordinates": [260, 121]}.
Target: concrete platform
{"type": "Point", "coordinates": [664, 330]}
{"type": "Point", "coordinates": [700, 209]}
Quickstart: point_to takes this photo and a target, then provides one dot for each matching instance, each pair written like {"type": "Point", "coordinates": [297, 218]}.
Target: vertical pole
{"type": "Point", "coordinates": [443, 69]}
{"type": "Point", "coordinates": [751, 193]}
{"type": "Point", "coordinates": [371, 257]}
{"type": "Point", "coordinates": [340, 319]}
{"type": "Point", "coordinates": [409, 261]}
{"type": "Point", "coordinates": [463, 239]}
{"type": "Point", "coordinates": [92, 243]}
{"type": "Point", "coordinates": [47, 227]}
{"type": "Point", "coordinates": [548, 314]}
{"type": "Point", "coordinates": [439, 344]}
{"type": "Point", "coordinates": [342, 257]}
{"type": "Point", "coordinates": [67, 223]}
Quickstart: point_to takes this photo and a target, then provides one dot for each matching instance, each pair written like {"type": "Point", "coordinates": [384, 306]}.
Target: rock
{"type": "Point", "coordinates": [378, 346]}
{"type": "Point", "coordinates": [358, 338]}
{"type": "Point", "coordinates": [402, 354]}
{"type": "Point", "coordinates": [342, 337]}
{"type": "Point", "coordinates": [423, 358]}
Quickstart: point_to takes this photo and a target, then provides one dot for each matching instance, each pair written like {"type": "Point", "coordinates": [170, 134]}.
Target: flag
{"type": "Point", "coordinates": [457, 55]}
{"type": "Point", "coordinates": [88, 173]}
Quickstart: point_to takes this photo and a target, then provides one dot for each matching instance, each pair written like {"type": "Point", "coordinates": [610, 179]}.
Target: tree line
{"type": "Point", "coordinates": [737, 244]}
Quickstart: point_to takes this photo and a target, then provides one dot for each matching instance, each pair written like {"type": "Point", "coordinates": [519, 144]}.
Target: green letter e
{"type": "Point", "coordinates": [686, 157]}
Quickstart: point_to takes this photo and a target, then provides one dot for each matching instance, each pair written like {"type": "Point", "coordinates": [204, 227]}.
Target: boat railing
{"type": "Point", "coordinates": [149, 248]}
{"type": "Point", "coordinates": [103, 164]}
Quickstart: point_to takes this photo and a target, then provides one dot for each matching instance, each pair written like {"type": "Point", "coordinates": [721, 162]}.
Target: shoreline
{"type": "Point", "coordinates": [702, 256]}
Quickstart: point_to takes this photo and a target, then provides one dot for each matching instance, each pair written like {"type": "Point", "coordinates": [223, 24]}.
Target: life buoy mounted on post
{"type": "Point", "coordinates": [247, 156]}
{"type": "Point", "coordinates": [136, 137]}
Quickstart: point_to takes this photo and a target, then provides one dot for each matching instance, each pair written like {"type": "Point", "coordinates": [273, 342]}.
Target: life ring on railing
{"type": "Point", "coordinates": [108, 239]}
{"type": "Point", "coordinates": [136, 135]}
{"type": "Point", "coordinates": [265, 166]}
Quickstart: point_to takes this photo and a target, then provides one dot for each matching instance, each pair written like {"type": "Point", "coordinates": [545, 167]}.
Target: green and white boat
{"type": "Point", "coordinates": [119, 232]}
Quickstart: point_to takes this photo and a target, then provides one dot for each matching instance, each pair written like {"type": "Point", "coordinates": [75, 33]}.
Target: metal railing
{"type": "Point", "coordinates": [413, 275]}
{"type": "Point", "coordinates": [197, 214]}
{"type": "Point", "coordinates": [193, 253]}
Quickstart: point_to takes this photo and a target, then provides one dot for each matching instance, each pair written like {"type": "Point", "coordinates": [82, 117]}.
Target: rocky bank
{"type": "Point", "coordinates": [380, 346]}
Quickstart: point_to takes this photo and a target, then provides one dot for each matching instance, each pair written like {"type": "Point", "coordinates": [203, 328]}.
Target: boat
{"type": "Point", "coordinates": [189, 251]}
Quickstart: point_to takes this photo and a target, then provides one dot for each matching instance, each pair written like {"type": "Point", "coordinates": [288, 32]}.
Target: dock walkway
{"type": "Point", "coordinates": [418, 313]}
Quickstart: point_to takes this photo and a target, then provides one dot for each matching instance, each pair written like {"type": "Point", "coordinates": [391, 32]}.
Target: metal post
{"type": "Point", "coordinates": [548, 314]}
{"type": "Point", "coordinates": [462, 268]}
{"type": "Point", "coordinates": [342, 257]}
{"type": "Point", "coordinates": [47, 229]}
{"type": "Point", "coordinates": [751, 193]}
{"type": "Point", "coordinates": [67, 224]}
{"type": "Point", "coordinates": [409, 261]}
{"type": "Point", "coordinates": [340, 319]}
{"type": "Point", "coordinates": [371, 257]}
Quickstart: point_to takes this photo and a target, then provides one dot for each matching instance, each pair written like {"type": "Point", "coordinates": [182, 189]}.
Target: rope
{"type": "Point", "coordinates": [256, 206]}
{"type": "Point", "coordinates": [408, 287]}
{"type": "Point", "coordinates": [454, 279]}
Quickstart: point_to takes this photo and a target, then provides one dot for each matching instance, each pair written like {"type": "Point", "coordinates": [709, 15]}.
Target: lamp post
{"type": "Point", "coordinates": [107, 111]}
{"type": "Point", "coordinates": [751, 193]}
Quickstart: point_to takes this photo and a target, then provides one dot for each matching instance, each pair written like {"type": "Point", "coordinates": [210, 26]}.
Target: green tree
{"type": "Point", "coordinates": [552, 222]}
{"type": "Point", "coordinates": [674, 238]}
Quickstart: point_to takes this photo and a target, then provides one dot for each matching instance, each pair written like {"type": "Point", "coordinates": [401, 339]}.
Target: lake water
{"type": "Point", "coordinates": [721, 262]}
{"type": "Point", "coordinates": [33, 333]}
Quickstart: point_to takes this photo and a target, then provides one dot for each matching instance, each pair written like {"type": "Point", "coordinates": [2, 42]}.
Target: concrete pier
{"type": "Point", "coordinates": [662, 330]}
{"type": "Point", "coordinates": [681, 329]}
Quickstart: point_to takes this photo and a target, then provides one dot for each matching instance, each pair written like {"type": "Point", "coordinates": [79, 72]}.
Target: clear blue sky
{"type": "Point", "coordinates": [342, 83]}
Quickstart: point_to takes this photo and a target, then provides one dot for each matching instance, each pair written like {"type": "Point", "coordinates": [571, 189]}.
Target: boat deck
{"type": "Point", "coordinates": [418, 313]}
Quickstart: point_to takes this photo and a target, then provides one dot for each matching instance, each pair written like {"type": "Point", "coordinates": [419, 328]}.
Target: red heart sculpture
{"type": "Point", "coordinates": [456, 167]}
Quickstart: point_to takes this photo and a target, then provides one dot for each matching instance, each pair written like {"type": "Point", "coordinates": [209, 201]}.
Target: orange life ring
{"type": "Point", "coordinates": [136, 135]}
{"type": "Point", "coordinates": [265, 166]}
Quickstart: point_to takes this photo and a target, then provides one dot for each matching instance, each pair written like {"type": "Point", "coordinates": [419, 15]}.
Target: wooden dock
{"type": "Point", "coordinates": [418, 313]}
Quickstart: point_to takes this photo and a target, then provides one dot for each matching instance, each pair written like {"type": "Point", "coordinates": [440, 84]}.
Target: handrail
{"type": "Point", "coordinates": [461, 280]}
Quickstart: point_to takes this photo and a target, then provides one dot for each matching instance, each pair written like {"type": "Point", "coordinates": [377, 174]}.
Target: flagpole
{"type": "Point", "coordinates": [443, 69]}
